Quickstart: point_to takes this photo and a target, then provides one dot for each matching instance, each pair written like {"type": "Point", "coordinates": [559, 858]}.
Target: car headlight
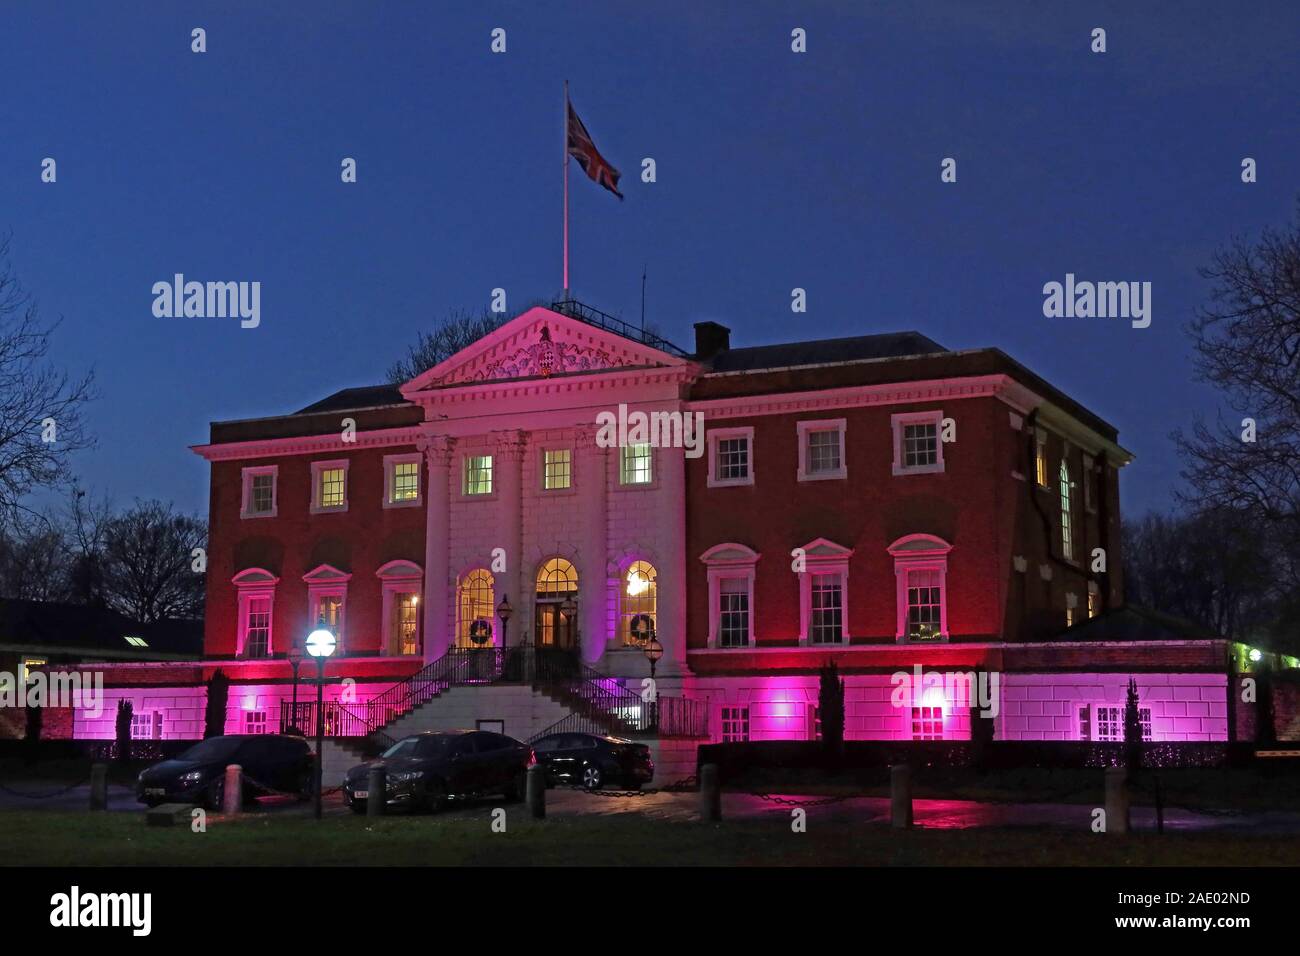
{"type": "Point", "coordinates": [194, 776]}
{"type": "Point", "coordinates": [406, 777]}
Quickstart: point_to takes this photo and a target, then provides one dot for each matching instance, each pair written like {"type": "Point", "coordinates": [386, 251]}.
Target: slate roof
{"type": "Point", "coordinates": [1135, 623]}
{"type": "Point", "coordinates": [367, 396]}
{"type": "Point", "coordinates": [825, 351]}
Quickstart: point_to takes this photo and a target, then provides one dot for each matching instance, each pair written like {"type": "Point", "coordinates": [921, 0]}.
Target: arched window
{"type": "Point", "coordinates": [1067, 533]}
{"type": "Point", "coordinates": [476, 608]}
{"type": "Point", "coordinates": [556, 578]}
{"type": "Point", "coordinates": [637, 604]}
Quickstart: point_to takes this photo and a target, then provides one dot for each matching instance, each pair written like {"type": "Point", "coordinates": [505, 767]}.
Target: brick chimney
{"type": "Point", "coordinates": [710, 339]}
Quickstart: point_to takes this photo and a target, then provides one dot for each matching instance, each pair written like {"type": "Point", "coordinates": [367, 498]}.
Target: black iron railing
{"type": "Point", "coordinates": [603, 320]}
{"type": "Point", "coordinates": [600, 704]}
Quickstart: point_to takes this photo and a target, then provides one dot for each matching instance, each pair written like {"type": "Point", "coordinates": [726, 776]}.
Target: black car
{"type": "Point", "coordinates": [593, 761]}
{"type": "Point", "coordinates": [270, 762]}
{"type": "Point", "coordinates": [426, 770]}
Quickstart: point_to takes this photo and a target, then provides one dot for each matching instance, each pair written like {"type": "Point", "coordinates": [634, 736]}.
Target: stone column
{"type": "Point", "coordinates": [675, 563]}
{"type": "Point", "coordinates": [439, 450]}
{"type": "Point", "coordinates": [593, 571]}
{"type": "Point", "coordinates": [511, 446]}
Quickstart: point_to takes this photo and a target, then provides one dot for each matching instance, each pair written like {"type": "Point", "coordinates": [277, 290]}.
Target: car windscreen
{"type": "Point", "coordinates": [214, 748]}
{"type": "Point", "coordinates": [403, 748]}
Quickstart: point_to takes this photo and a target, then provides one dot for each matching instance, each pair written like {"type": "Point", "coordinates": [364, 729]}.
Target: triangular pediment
{"type": "Point", "coordinates": [540, 343]}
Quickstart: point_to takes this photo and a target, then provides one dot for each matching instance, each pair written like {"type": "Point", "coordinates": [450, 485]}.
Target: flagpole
{"type": "Point", "coordinates": [566, 189]}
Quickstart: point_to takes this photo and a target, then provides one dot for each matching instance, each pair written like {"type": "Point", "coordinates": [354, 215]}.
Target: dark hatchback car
{"type": "Point", "coordinates": [426, 770]}
{"type": "Point", "coordinates": [593, 761]}
{"type": "Point", "coordinates": [270, 762]}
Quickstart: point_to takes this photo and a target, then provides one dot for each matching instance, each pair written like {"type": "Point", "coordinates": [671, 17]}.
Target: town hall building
{"type": "Point", "coordinates": [488, 552]}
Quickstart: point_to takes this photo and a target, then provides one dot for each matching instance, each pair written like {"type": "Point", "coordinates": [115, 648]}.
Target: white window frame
{"type": "Point", "coordinates": [251, 584]}
{"type": "Point", "coordinates": [823, 557]}
{"type": "Point", "coordinates": [248, 725]}
{"type": "Point", "coordinates": [541, 470]}
{"type": "Point", "coordinates": [465, 493]}
{"type": "Point", "coordinates": [246, 490]}
{"type": "Point", "coordinates": [899, 423]}
{"type": "Point", "coordinates": [390, 480]}
{"type": "Point", "coordinates": [316, 468]}
{"type": "Point", "coordinates": [654, 467]}
{"type": "Point", "coordinates": [826, 424]}
{"type": "Point", "coordinates": [397, 578]}
{"type": "Point", "coordinates": [920, 552]}
{"type": "Point", "coordinates": [920, 719]}
{"type": "Point", "coordinates": [328, 581]}
{"type": "Point", "coordinates": [724, 562]}
{"type": "Point", "coordinates": [739, 717]}
{"type": "Point", "coordinates": [153, 718]}
{"type": "Point", "coordinates": [723, 434]}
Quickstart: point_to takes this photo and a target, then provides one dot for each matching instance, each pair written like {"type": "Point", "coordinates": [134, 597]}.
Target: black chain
{"type": "Point", "coordinates": [684, 785]}
{"type": "Point", "coordinates": [45, 796]}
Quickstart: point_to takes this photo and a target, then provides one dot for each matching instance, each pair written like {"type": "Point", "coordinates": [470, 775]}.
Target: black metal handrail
{"type": "Point", "coordinates": [603, 320]}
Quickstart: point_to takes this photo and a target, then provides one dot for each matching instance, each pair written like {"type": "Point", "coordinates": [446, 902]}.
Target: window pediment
{"type": "Point", "coordinates": [254, 577]}
{"type": "Point", "coordinates": [326, 574]}
{"type": "Point", "coordinates": [729, 554]}
{"type": "Point", "coordinates": [399, 570]}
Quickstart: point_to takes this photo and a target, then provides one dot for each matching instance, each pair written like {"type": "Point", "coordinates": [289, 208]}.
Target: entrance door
{"type": "Point", "coordinates": [552, 628]}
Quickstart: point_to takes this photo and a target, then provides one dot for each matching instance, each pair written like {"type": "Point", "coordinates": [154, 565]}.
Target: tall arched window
{"type": "Point", "coordinates": [637, 604]}
{"type": "Point", "coordinates": [556, 578]}
{"type": "Point", "coordinates": [475, 618]}
{"type": "Point", "coordinates": [1067, 532]}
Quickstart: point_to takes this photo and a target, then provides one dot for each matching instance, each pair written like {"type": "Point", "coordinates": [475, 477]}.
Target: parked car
{"type": "Point", "coordinates": [593, 761]}
{"type": "Point", "coordinates": [426, 770]}
{"type": "Point", "coordinates": [269, 761]}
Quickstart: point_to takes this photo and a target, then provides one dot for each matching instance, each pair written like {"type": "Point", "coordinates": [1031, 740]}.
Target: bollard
{"type": "Point", "coordinates": [232, 794]}
{"type": "Point", "coordinates": [99, 786]}
{"type": "Point", "coordinates": [900, 797]}
{"type": "Point", "coordinates": [535, 791]}
{"type": "Point", "coordinates": [1116, 800]}
{"type": "Point", "coordinates": [710, 794]}
{"type": "Point", "coordinates": [376, 790]}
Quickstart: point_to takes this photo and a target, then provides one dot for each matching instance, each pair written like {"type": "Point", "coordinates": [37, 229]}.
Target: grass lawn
{"type": "Point", "coordinates": [122, 839]}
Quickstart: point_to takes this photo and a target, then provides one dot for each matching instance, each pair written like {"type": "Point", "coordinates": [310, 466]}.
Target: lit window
{"type": "Point", "coordinates": [402, 479]}
{"type": "Point", "coordinates": [329, 610]}
{"type": "Point", "coordinates": [637, 607]}
{"type": "Point", "coordinates": [1069, 617]}
{"type": "Point", "coordinates": [1040, 458]}
{"type": "Point", "coordinates": [1067, 530]}
{"type": "Point", "coordinates": [329, 486]}
{"type": "Point", "coordinates": [827, 623]}
{"type": "Point", "coordinates": [327, 589]}
{"type": "Point", "coordinates": [927, 723]}
{"type": "Point", "coordinates": [735, 724]}
{"type": "Point", "coordinates": [259, 492]}
{"type": "Point", "coordinates": [478, 474]}
{"type": "Point", "coordinates": [475, 610]}
{"type": "Point", "coordinates": [254, 721]}
{"type": "Point", "coordinates": [407, 622]}
{"type": "Point", "coordinates": [557, 468]}
{"type": "Point", "coordinates": [257, 632]}
{"type": "Point", "coordinates": [1094, 601]}
{"type": "Point", "coordinates": [28, 665]}
{"type": "Point", "coordinates": [634, 465]}
{"type": "Point", "coordinates": [1108, 723]}
{"type": "Point", "coordinates": [136, 641]}
{"type": "Point", "coordinates": [924, 604]}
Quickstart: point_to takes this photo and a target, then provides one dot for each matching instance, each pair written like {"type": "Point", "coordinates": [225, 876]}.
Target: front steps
{"type": "Point", "coordinates": [520, 710]}
{"type": "Point", "coordinates": [338, 756]}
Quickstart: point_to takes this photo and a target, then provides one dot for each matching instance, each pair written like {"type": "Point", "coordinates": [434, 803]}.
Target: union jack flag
{"type": "Point", "coordinates": [588, 156]}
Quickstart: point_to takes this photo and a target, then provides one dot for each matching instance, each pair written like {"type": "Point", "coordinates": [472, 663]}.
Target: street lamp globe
{"type": "Point", "coordinates": [321, 642]}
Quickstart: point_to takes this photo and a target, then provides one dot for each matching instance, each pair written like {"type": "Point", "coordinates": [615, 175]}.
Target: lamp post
{"type": "Point", "coordinates": [504, 610]}
{"type": "Point", "coordinates": [295, 661]}
{"type": "Point", "coordinates": [320, 645]}
{"type": "Point", "coordinates": [653, 652]}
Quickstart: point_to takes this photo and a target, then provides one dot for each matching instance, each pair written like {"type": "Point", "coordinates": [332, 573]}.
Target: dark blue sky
{"type": "Point", "coordinates": [775, 170]}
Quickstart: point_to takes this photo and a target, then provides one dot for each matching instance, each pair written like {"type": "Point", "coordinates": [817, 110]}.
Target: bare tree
{"type": "Point", "coordinates": [1247, 342]}
{"type": "Point", "coordinates": [40, 406]}
{"type": "Point", "coordinates": [34, 559]}
{"type": "Point", "coordinates": [457, 331]}
{"type": "Point", "coordinates": [147, 563]}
